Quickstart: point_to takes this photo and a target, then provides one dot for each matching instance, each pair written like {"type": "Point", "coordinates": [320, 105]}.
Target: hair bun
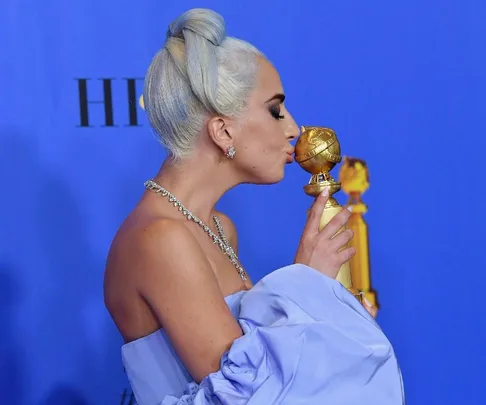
{"type": "Point", "coordinates": [203, 22]}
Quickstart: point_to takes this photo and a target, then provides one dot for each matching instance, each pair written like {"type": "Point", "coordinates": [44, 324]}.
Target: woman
{"type": "Point", "coordinates": [195, 329]}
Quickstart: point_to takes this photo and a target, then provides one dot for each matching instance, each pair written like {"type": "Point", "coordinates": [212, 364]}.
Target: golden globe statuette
{"type": "Point", "coordinates": [354, 178]}
{"type": "Point", "coordinates": [317, 151]}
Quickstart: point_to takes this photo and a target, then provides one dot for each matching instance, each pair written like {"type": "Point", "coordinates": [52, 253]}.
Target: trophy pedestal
{"type": "Point", "coordinates": [344, 276]}
{"type": "Point", "coordinates": [360, 262]}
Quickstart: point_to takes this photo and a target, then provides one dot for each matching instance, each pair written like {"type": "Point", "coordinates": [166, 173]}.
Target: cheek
{"type": "Point", "coordinates": [274, 142]}
{"type": "Point", "coordinates": [265, 146]}
{"type": "Point", "coordinates": [263, 136]}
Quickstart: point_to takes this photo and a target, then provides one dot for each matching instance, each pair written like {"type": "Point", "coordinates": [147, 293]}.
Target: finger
{"type": "Point", "coordinates": [344, 255]}
{"type": "Point", "coordinates": [314, 220]}
{"type": "Point", "coordinates": [369, 307]}
{"type": "Point", "coordinates": [335, 224]}
{"type": "Point", "coordinates": [341, 239]}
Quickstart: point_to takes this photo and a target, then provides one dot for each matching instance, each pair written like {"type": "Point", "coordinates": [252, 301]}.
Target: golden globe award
{"type": "Point", "coordinates": [317, 151]}
{"type": "Point", "coordinates": [354, 179]}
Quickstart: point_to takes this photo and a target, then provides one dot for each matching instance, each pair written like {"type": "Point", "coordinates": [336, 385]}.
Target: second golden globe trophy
{"type": "Point", "coordinates": [317, 151]}
{"type": "Point", "coordinates": [354, 178]}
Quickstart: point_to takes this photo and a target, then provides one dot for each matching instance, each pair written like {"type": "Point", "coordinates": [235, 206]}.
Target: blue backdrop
{"type": "Point", "coordinates": [401, 82]}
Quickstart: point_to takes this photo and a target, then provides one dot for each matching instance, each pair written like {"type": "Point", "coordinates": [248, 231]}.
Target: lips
{"type": "Point", "coordinates": [290, 155]}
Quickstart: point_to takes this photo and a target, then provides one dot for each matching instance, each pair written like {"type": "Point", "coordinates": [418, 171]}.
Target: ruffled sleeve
{"type": "Point", "coordinates": [306, 340]}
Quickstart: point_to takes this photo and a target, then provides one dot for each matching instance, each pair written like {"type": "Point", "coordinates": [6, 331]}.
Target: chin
{"type": "Point", "coordinates": [264, 175]}
{"type": "Point", "coordinates": [270, 178]}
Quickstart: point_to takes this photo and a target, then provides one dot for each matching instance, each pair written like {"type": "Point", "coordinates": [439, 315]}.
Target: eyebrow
{"type": "Point", "coordinates": [278, 96]}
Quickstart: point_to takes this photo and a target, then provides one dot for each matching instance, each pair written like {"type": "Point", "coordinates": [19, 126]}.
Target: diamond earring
{"type": "Point", "coordinates": [230, 153]}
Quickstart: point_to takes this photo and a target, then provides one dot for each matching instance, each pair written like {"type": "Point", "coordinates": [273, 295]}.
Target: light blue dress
{"type": "Point", "coordinates": [306, 340]}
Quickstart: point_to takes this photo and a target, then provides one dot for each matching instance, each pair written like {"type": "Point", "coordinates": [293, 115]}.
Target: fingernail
{"type": "Point", "coordinates": [325, 192]}
{"type": "Point", "coordinates": [349, 208]}
{"type": "Point", "coordinates": [367, 302]}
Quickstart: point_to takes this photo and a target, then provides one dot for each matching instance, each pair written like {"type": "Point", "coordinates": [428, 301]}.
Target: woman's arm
{"type": "Point", "coordinates": [180, 287]}
{"type": "Point", "coordinates": [306, 340]}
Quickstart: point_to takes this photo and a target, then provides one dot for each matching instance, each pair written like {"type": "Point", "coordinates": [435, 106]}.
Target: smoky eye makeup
{"type": "Point", "coordinates": [275, 105]}
{"type": "Point", "coordinates": [275, 111]}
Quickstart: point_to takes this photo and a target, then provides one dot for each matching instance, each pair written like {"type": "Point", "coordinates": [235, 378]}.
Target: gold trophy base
{"type": "Point", "coordinates": [360, 262]}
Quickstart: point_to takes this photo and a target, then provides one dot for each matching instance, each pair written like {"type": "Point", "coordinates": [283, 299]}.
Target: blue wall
{"type": "Point", "coordinates": [401, 82]}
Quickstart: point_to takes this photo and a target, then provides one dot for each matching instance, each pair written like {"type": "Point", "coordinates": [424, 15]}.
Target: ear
{"type": "Point", "coordinates": [220, 131]}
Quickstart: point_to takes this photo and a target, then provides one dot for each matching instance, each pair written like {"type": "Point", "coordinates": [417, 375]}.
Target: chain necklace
{"type": "Point", "coordinates": [218, 240]}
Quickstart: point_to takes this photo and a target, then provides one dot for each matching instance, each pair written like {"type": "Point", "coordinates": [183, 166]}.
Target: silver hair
{"type": "Point", "coordinates": [199, 72]}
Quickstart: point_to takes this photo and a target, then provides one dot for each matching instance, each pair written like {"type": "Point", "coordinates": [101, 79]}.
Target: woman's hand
{"type": "Point", "coordinates": [325, 250]}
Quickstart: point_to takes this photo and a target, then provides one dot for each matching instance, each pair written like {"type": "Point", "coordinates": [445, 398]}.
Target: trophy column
{"type": "Point", "coordinates": [330, 210]}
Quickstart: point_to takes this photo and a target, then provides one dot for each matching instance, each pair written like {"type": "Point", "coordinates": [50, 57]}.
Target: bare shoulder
{"type": "Point", "coordinates": [229, 229]}
{"type": "Point", "coordinates": [162, 252]}
{"type": "Point", "coordinates": [176, 280]}
{"type": "Point", "coordinates": [160, 240]}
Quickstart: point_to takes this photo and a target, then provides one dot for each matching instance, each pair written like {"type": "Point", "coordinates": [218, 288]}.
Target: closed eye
{"type": "Point", "coordinates": [275, 111]}
{"type": "Point", "coordinates": [275, 108]}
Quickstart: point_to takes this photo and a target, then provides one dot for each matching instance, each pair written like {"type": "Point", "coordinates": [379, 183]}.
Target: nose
{"type": "Point", "coordinates": [292, 131]}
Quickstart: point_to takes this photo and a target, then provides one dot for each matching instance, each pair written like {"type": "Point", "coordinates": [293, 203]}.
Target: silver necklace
{"type": "Point", "coordinates": [220, 240]}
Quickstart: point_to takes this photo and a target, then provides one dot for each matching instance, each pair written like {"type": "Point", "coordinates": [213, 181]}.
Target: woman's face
{"type": "Point", "coordinates": [263, 133]}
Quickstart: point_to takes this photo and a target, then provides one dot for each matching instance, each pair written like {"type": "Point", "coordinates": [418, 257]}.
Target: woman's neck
{"type": "Point", "coordinates": [197, 183]}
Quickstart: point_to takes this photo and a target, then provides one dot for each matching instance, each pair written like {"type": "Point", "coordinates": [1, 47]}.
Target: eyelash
{"type": "Point", "coordinates": [275, 111]}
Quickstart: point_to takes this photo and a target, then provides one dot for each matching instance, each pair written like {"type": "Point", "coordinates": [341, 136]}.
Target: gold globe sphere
{"type": "Point", "coordinates": [317, 151]}
{"type": "Point", "coordinates": [354, 176]}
